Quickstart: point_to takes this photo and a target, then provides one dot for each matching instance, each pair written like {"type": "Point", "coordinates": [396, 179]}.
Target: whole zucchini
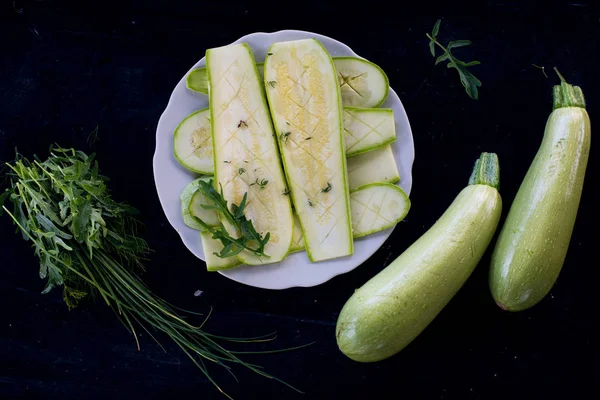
{"type": "Point", "coordinates": [533, 242]}
{"type": "Point", "coordinates": [396, 305]}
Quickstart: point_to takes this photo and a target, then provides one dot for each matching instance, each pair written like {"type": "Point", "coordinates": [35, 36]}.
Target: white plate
{"type": "Point", "coordinates": [295, 270]}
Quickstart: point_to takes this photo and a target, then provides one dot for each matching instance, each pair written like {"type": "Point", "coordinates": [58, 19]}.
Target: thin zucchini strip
{"type": "Point", "coordinates": [192, 143]}
{"type": "Point", "coordinates": [367, 129]}
{"type": "Point", "coordinates": [362, 83]}
{"type": "Point", "coordinates": [304, 97]}
{"type": "Point", "coordinates": [212, 246]}
{"type": "Point", "coordinates": [246, 158]}
{"type": "Point", "coordinates": [374, 166]}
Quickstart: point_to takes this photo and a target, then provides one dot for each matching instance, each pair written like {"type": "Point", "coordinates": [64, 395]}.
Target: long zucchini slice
{"type": "Point", "coordinates": [193, 143]}
{"type": "Point", "coordinates": [374, 166]}
{"type": "Point", "coordinates": [212, 246]}
{"type": "Point", "coordinates": [304, 97]}
{"type": "Point", "coordinates": [246, 158]}
{"type": "Point", "coordinates": [363, 83]}
{"type": "Point", "coordinates": [367, 129]}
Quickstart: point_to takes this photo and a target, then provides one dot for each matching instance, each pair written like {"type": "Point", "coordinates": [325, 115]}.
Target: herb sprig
{"type": "Point", "coordinates": [249, 240]}
{"type": "Point", "coordinates": [468, 80]}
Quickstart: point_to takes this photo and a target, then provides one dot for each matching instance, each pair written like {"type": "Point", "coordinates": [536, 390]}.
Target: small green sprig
{"type": "Point", "coordinates": [468, 80]}
{"type": "Point", "coordinates": [249, 240]}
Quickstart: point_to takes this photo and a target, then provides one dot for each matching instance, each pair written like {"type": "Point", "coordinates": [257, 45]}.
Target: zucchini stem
{"type": "Point", "coordinates": [486, 171]}
{"type": "Point", "coordinates": [566, 95]}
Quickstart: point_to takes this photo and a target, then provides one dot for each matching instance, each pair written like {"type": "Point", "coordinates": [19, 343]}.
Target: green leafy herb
{"type": "Point", "coordinates": [242, 123]}
{"type": "Point", "coordinates": [88, 243]}
{"type": "Point", "coordinates": [262, 183]}
{"type": "Point", "coordinates": [272, 83]}
{"type": "Point", "coordinates": [308, 138]}
{"type": "Point", "coordinates": [227, 162]}
{"type": "Point", "coordinates": [284, 136]}
{"type": "Point", "coordinates": [241, 171]}
{"type": "Point", "coordinates": [326, 188]}
{"type": "Point", "coordinates": [286, 192]}
{"type": "Point", "coordinates": [468, 80]}
{"type": "Point", "coordinates": [310, 203]}
{"type": "Point", "coordinates": [249, 240]}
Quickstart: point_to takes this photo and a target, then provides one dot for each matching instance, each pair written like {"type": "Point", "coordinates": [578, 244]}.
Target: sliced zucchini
{"type": "Point", "coordinates": [212, 246]}
{"type": "Point", "coordinates": [362, 83]}
{"type": "Point", "coordinates": [367, 129]}
{"type": "Point", "coordinates": [376, 207]}
{"type": "Point", "coordinates": [304, 97]}
{"type": "Point", "coordinates": [209, 216]}
{"type": "Point", "coordinates": [245, 151]}
{"type": "Point", "coordinates": [378, 165]}
{"type": "Point", "coordinates": [193, 144]}
{"type": "Point", "coordinates": [185, 199]}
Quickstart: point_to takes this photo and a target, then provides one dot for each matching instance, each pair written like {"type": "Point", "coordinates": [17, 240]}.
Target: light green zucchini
{"type": "Point", "coordinates": [362, 83]}
{"type": "Point", "coordinates": [374, 166]}
{"type": "Point", "coordinates": [396, 305]}
{"type": "Point", "coordinates": [212, 246]}
{"type": "Point", "coordinates": [533, 242]}
{"type": "Point", "coordinates": [365, 129]}
{"type": "Point", "coordinates": [185, 199]}
{"type": "Point", "coordinates": [304, 97]}
{"type": "Point", "coordinates": [245, 150]}
{"type": "Point", "coordinates": [193, 144]}
{"type": "Point", "coordinates": [368, 129]}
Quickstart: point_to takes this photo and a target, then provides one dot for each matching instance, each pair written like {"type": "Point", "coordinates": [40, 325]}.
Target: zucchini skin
{"type": "Point", "coordinates": [533, 242]}
{"type": "Point", "coordinates": [396, 305]}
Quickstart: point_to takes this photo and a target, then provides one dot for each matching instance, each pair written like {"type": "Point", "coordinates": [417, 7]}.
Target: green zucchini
{"type": "Point", "coordinates": [212, 246]}
{"type": "Point", "coordinates": [362, 83]}
{"type": "Point", "coordinates": [185, 199]}
{"type": "Point", "coordinates": [534, 239]}
{"type": "Point", "coordinates": [374, 166]}
{"type": "Point", "coordinates": [304, 98]}
{"type": "Point", "coordinates": [246, 158]}
{"type": "Point", "coordinates": [367, 129]}
{"type": "Point", "coordinates": [193, 144]}
{"type": "Point", "coordinates": [396, 305]}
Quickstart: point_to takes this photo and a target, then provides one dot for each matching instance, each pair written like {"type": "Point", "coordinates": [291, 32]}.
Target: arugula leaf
{"type": "Point", "coordinates": [467, 79]}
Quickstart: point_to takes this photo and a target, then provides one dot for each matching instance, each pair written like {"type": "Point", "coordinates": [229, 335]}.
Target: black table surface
{"type": "Point", "coordinates": [66, 70]}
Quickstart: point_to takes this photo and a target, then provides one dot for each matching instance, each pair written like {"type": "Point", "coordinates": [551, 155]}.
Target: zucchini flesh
{"type": "Point", "coordinates": [213, 262]}
{"type": "Point", "coordinates": [245, 151]}
{"type": "Point", "coordinates": [374, 166]}
{"type": "Point", "coordinates": [367, 129]}
{"type": "Point", "coordinates": [209, 216]}
{"type": "Point", "coordinates": [185, 199]}
{"type": "Point", "coordinates": [397, 304]}
{"type": "Point", "coordinates": [362, 83]}
{"type": "Point", "coordinates": [192, 143]}
{"type": "Point", "coordinates": [297, 236]}
{"type": "Point", "coordinates": [533, 243]}
{"type": "Point", "coordinates": [304, 96]}
{"type": "Point", "coordinates": [376, 207]}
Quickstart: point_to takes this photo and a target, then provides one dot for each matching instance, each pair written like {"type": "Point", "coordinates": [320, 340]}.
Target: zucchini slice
{"type": "Point", "coordinates": [185, 199]}
{"type": "Point", "coordinates": [193, 144]}
{"type": "Point", "coordinates": [367, 129]}
{"type": "Point", "coordinates": [376, 207]}
{"type": "Point", "coordinates": [301, 85]}
{"type": "Point", "coordinates": [246, 158]}
{"type": "Point", "coordinates": [212, 246]}
{"type": "Point", "coordinates": [191, 200]}
{"type": "Point", "coordinates": [378, 165]}
{"type": "Point", "coordinates": [362, 83]}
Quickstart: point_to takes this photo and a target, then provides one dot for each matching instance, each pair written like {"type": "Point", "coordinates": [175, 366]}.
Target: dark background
{"type": "Point", "coordinates": [65, 70]}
